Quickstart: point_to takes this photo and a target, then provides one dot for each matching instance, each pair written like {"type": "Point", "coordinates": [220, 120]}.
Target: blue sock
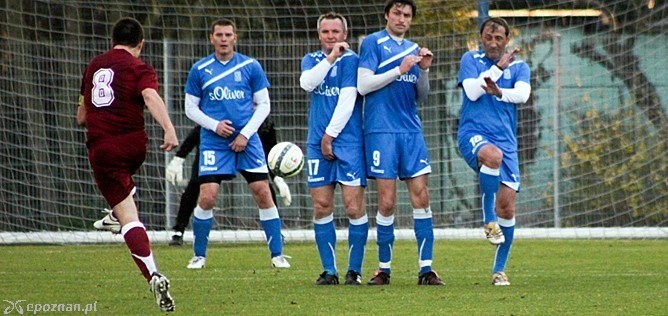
{"type": "Point", "coordinates": [358, 232]}
{"type": "Point", "coordinates": [503, 250]}
{"type": "Point", "coordinates": [385, 241]}
{"type": "Point", "coordinates": [271, 223]}
{"type": "Point", "coordinates": [488, 179]}
{"type": "Point", "coordinates": [325, 239]}
{"type": "Point", "coordinates": [202, 222]}
{"type": "Point", "coordinates": [424, 234]}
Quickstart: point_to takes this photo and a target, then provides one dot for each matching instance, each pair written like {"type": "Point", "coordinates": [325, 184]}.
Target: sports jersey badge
{"type": "Point", "coordinates": [506, 74]}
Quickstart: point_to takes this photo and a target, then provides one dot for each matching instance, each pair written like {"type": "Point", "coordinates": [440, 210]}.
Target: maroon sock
{"type": "Point", "coordinates": [137, 241]}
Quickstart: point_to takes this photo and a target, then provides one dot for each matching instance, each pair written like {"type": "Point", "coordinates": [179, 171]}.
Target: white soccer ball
{"type": "Point", "coordinates": [285, 159]}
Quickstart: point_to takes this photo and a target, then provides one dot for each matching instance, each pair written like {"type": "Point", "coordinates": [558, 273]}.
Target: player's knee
{"type": "Point", "coordinates": [386, 208]}
{"type": "Point", "coordinates": [260, 190]}
{"type": "Point", "coordinates": [354, 211]}
{"type": "Point", "coordinates": [490, 156]}
{"type": "Point", "coordinates": [420, 197]}
{"type": "Point", "coordinates": [206, 202]}
{"type": "Point", "coordinates": [505, 212]}
{"type": "Point", "coordinates": [322, 202]}
{"type": "Point", "coordinates": [322, 208]}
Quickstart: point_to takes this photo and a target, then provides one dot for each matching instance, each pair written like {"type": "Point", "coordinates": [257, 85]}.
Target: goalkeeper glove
{"type": "Point", "coordinates": [283, 190]}
{"type": "Point", "coordinates": [174, 171]}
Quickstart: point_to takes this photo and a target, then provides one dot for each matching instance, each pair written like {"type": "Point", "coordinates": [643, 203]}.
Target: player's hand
{"type": "Point", "coordinates": [326, 147]}
{"type": "Point", "coordinates": [239, 143]}
{"type": "Point", "coordinates": [507, 58]}
{"type": "Point", "coordinates": [408, 62]}
{"type": "Point", "coordinates": [491, 88]}
{"type": "Point", "coordinates": [170, 141]}
{"type": "Point", "coordinates": [174, 171]}
{"type": "Point", "coordinates": [427, 57]}
{"type": "Point", "coordinates": [225, 128]}
{"type": "Point", "coordinates": [337, 51]}
{"type": "Point", "coordinates": [283, 190]}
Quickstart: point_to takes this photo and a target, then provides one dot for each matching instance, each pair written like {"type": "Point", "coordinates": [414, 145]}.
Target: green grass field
{"type": "Point", "coordinates": [549, 277]}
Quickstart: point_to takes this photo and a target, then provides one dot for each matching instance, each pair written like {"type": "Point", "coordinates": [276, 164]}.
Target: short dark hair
{"type": "Point", "coordinates": [223, 22]}
{"type": "Point", "coordinates": [390, 3]}
{"type": "Point", "coordinates": [333, 16]}
{"type": "Point", "coordinates": [494, 22]}
{"type": "Point", "coordinates": [128, 32]}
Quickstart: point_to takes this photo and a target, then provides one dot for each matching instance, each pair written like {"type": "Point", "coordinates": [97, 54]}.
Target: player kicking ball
{"type": "Point", "coordinates": [115, 88]}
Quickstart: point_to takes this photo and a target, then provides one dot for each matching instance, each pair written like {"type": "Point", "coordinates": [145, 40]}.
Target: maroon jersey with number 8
{"type": "Point", "coordinates": [112, 87]}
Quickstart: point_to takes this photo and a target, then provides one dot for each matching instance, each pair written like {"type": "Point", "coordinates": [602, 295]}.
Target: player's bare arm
{"type": "Point", "coordinates": [225, 128]}
{"type": "Point", "coordinates": [158, 110]}
{"type": "Point", "coordinates": [81, 112]}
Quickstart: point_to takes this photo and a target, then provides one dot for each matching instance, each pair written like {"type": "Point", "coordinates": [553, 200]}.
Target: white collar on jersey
{"type": "Point", "coordinates": [397, 39]}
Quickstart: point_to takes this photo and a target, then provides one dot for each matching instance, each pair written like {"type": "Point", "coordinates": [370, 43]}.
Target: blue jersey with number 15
{"type": "Point", "coordinates": [226, 90]}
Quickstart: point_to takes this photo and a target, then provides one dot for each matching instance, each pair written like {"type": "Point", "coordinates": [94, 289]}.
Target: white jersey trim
{"type": "Point", "coordinates": [425, 170]}
{"type": "Point", "coordinates": [397, 56]}
{"type": "Point", "coordinates": [382, 40]}
{"type": "Point", "coordinates": [209, 62]}
{"type": "Point", "coordinates": [226, 73]}
{"type": "Point", "coordinates": [513, 185]}
{"type": "Point", "coordinates": [354, 183]}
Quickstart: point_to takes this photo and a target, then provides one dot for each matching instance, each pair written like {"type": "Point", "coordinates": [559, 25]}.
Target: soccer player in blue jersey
{"type": "Point", "coordinates": [221, 91]}
{"type": "Point", "coordinates": [393, 78]}
{"type": "Point", "coordinates": [494, 82]}
{"type": "Point", "coordinates": [335, 146]}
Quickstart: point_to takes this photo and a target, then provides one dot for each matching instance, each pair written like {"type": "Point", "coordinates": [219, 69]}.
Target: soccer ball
{"type": "Point", "coordinates": [285, 159]}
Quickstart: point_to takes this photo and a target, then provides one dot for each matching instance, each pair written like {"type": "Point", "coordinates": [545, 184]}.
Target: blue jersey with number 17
{"type": "Point", "coordinates": [392, 108]}
{"type": "Point", "coordinates": [325, 97]}
{"type": "Point", "coordinates": [226, 91]}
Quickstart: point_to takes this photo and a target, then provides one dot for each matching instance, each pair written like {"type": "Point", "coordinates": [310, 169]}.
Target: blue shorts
{"type": "Point", "coordinates": [469, 146]}
{"type": "Point", "coordinates": [220, 159]}
{"type": "Point", "coordinates": [347, 168]}
{"type": "Point", "coordinates": [392, 155]}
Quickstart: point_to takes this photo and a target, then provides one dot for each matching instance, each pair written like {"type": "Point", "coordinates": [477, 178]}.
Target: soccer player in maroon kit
{"type": "Point", "coordinates": [114, 90]}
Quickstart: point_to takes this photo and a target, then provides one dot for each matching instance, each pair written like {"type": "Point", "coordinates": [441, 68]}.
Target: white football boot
{"type": "Point", "coordinates": [197, 262]}
{"type": "Point", "coordinates": [280, 262]}
{"type": "Point", "coordinates": [108, 222]}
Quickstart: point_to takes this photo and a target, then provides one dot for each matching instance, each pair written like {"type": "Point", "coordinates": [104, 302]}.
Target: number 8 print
{"type": "Point", "coordinates": [102, 93]}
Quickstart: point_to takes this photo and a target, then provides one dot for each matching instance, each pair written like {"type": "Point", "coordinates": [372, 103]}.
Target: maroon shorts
{"type": "Point", "coordinates": [114, 160]}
